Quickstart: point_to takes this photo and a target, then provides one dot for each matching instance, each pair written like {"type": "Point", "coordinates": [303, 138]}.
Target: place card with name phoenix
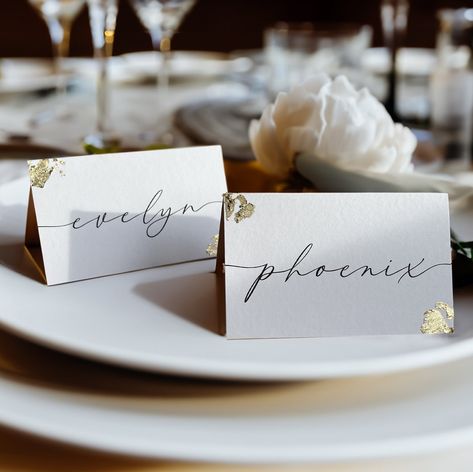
{"type": "Point", "coordinates": [310, 265]}
{"type": "Point", "coordinates": [92, 216]}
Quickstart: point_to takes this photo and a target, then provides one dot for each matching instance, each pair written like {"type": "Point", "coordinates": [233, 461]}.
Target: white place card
{"type": "Point", "coordinates": [310, 265]}
{"type": "Point", "coordinates": [91, 216]}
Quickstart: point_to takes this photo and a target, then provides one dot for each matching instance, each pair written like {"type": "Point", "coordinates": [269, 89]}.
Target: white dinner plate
{"type": "Point", "coordinates": [165, 320]}
{"type": "Point", "coordinates": [183, 65]}
{"type": "Point", "coordinates": [418, 413]}
{"type": "Point", "coordinates": [28, 75]}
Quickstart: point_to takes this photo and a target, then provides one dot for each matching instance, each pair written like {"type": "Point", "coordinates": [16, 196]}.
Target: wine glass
{"type": "Point", "coordinates": [58, 15]}
{"type": "Point", "coordinates": [161, 18]}
{"type": "Point", "coordinates": [103, 17]}
{"type": "Point", "coordinates": [394, 15]}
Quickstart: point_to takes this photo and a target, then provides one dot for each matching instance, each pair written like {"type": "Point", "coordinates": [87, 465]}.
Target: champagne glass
{"type": "Point", "coordinates": [162, 18]}
{"type": "Point", "coordinates": [103, 17]}
{"type": "Point", "coordinates": [58, 15]}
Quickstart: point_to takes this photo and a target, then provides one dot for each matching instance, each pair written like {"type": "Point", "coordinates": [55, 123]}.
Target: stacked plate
{"type": "Point", "coordinates": [27, 75]}
{"type": "Point", "coordinates": [263, 401]}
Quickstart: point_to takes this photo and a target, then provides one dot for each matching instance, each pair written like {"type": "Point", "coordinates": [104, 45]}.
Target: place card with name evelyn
{"type": "Point", "coordinates": [309, 265]}
{"type": "Point", "coordinates": [91, 216]}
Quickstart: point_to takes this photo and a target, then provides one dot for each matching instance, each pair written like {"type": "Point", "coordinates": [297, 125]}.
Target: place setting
{"type": "Point", "coordinates": [237, 257]}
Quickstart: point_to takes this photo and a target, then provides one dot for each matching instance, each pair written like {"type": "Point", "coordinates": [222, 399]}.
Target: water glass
{"type": "Point", "coordinates": [451, 87]}
{"type": "Point", "coordinates": [294, 51]}
{"type": "Point", "coordinates": [451, 112]}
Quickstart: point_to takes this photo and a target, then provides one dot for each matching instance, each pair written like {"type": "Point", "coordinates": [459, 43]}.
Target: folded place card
{"type": "Point", "coordinates": [91, 216]}
{"type": "Point", "coordinates": [303, 265]}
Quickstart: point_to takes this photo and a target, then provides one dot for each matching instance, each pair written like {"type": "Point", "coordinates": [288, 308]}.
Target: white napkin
{"type": "Point", "coordinates": [334, 121]}
{"type": "Point", "coordinates": [328, 177]}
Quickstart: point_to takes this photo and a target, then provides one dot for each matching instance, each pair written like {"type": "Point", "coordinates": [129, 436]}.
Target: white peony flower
{"type": "Point", "coordinates": [332, 121]}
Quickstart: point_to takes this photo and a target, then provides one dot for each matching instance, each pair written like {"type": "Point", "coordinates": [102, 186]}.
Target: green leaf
{"type": "Point", "coordinates": [462, 261]}
{"type": "Point", "coordinates": [157, 147]}
{"type": "Point", "coordinates": [463, 248]}
{"type": "Point", "coordinates": [91, 149]}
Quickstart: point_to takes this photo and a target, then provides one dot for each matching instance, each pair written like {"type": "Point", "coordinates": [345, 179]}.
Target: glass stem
{"type": "Point", "coordinates": [165, 48]}
{"type": "Point", "coordinates": [102, 94]}
{"type": "Point", "coordinates": [103, 90]}
{"type": "Point", "coordinates": [60, 37]}
{"type": "Point", "coordinates": [156, 36]}
{"type": "Point", "coordinates": [162, 46]}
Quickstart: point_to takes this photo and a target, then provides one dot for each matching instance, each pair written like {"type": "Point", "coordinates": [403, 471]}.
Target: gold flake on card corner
{"type": "Point", "coordinates": [245, 209]}
{"type": "Point", "coordinates": [435, 322]}
{"type": "Point", "coordinates": [40, 172]}
{"type": "Point", "coordinates": [213, 246]}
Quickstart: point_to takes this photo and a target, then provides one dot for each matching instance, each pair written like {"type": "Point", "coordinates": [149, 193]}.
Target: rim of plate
{"type": "Point", "coordinates": [399, 448]}
{"type": "Point", "coordinates": [402, 447]}
{"type": "Point", "coordinates": [255, 371]}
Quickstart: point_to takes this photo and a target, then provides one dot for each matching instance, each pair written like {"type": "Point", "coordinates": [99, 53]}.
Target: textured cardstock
{"type": "Point", "coordinates": [92, 216]}
{"type": "Point", "coordinates": [310, 265]}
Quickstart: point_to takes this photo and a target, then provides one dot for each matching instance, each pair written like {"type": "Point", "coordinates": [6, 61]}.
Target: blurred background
{"type": "Point", "coordinates": [81, 75]}
{"type": "Point", "coordinates": [220, 25]}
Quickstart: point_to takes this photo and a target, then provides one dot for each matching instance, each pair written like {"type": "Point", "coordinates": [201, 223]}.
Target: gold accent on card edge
{"type": "Point", "coordinates": [245, 208]}
{"type": "Point", "coordinates": [213, 246]}
{"type": "Point", "coordinates": [435, 322]}
{"type": "Point", "coordinates": [42, 170]}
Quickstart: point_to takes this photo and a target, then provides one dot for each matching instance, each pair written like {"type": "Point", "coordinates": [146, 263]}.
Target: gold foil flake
{"type": "Point", "coordinates": [213, 246]}
{"type": "Point", "coordinates": [245, 209]}
{"type": "Point", "coordinates": [447, 308]}
{"type": "Point", "coordinates": [245, 212]}
{"type": "Point", "coordinates": [40, 172]}
{"type": "Point", "coordinates": [229, 205]}
{"type": "Point", "coordinates": [435, 322]}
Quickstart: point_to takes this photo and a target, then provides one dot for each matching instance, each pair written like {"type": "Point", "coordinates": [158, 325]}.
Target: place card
{"type": "Point", "coordinates": [91, 216]}
{"type": "Point", "coordinates": [310, 265]}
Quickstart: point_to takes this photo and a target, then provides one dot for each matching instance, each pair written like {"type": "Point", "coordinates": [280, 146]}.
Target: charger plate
{"type": "Point", "coordinates": [82, 403]}
{"type": "Point", "coordinates": [165, 320]}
